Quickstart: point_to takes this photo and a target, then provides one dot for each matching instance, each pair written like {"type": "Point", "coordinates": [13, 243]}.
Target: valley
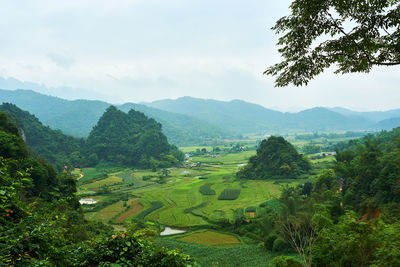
{"type": "Point", "coordinates": [188, 198]}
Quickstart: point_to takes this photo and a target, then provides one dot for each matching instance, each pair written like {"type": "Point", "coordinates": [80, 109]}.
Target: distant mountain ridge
{"type": "Point", "coordinates": [244, 117]}
{"type": "Point", "coordinates": [77, 117]}
{"type": "Point", "coordinates": [188, 120]}
{"type": "Point", "coordinates": [374, 116]}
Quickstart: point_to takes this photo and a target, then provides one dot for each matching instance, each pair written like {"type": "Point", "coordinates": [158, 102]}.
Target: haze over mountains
{"type": "Point", "coordinates": [188, 120]}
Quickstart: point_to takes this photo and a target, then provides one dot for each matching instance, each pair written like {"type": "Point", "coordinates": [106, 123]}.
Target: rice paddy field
{"type": "Point", "coordinates": [194, 198]}
{"type": "Point", "coordinates": [179, 201]}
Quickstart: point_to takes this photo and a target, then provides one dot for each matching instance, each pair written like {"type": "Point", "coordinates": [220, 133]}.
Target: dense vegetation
{"type": "Point", "coordinates": [41, 222]}
{"type": "Point", "coordinates": [347, 216]}
{"type": "Point", "coordinates": [130, 139]}
{"type": "Point", "coordinates": [276, 158]}
{"type": "Point", "coordinates": [57, 148]}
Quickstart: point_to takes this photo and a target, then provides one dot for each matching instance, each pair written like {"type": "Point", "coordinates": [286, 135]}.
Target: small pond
{"type": "Point", "coordinates": [170, 231]}
{"type": "Point", "coordinates": [87, 201]}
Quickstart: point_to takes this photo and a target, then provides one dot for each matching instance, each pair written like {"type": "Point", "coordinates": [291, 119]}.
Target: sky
{"type": "Point", "coordinates": [145, 50]}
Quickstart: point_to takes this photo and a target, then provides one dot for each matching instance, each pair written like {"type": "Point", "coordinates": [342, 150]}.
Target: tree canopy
{"type": "Point", "coordinates": [275, 158]}
{"type": "Point", "coordinates": [353, 35]}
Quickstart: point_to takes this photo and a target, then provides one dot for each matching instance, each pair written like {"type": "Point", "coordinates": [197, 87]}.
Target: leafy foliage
{"type": "Point", "coordinates": [276, 158]}
{"type": "Point", "coordinates": [361, 34]}
{"type": "Point", "coordinates": [57, 148]}
{"type": "Point", "coordinates": [127, 249]}
{"type": "Point", "coordinates": [370, 171]}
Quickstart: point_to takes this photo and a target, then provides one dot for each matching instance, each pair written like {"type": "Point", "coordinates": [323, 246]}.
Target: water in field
{"type": "Point", "coordinates": [170, 231]}
{"type": "Point", "coordinates": [87, 201]}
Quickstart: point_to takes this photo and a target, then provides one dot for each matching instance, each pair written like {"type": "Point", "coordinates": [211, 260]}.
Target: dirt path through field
{"type": "Point", "coordinates": [136, 207]}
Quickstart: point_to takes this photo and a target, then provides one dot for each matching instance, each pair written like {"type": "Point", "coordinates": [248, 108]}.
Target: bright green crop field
{"type": "Point", "coordinates": [180, 202]}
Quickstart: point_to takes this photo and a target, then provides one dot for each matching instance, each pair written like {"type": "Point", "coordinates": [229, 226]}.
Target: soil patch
{"type": "Point", "coordinates": [136, 207]}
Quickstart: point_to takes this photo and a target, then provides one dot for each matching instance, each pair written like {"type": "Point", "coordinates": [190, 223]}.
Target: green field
{"type": "Point", "coordinates": [188, 198]}
{"type": "Point", "coordinates": [181, 202]}
{"type": "Point", "coordinates": [244, 255]}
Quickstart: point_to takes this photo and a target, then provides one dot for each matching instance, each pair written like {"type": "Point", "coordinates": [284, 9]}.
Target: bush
{"type": "Point", "coordinates": [269, 241]}
{"type": "Point", "coordinates": [126, 250]}
{"type": "Point", "coordinates": [251, 209]}
{"type": "Point", "coordinates": [285, 261]}
{"type": "Point", "coordinates": [206, 189]}
{"type": "Point", "coordinates": [229, 194]}
{"type": "Point", "coordinates": [280, 245]}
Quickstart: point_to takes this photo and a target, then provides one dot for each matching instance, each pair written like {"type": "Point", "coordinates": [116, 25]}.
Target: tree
{"type": "Point", "coordinates": [354, 35]}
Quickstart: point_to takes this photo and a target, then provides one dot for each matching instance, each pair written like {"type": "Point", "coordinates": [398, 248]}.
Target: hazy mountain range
{"type": "Point", "coordinates": [190, 120]}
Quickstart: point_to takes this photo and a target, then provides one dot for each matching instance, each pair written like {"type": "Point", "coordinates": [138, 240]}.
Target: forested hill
{"type": "Point", "coordinates": [56, 147]}
{"type": "Point", "coordinates": [78, 117]}
{"type": "Point", "coordinates": [130, 139]}
{"type": "Point", "coordinates": [276, 158]}
{"type": "Point", "coordinates": [179, 128]}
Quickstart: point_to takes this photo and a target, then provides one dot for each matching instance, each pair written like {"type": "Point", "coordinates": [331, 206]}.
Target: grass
{"type": "Point", "coordinates": [185, 200]}
{"type": "Point", "coordinates": [212, 238]}
{"type": "Point", "coordinates": [244, 255]}
{"type": "Point", "coordinates": [135, 208]}
{"type": "Point", "coordinates": [111, 180]}
{"type": "Point", "coordinates": [154, 206]}
{"type": "Point", "coordinates": [107, 213]}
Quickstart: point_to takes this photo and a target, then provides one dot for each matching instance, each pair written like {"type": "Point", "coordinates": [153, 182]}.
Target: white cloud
{"type": "Point", "coordinates": [142, 50]}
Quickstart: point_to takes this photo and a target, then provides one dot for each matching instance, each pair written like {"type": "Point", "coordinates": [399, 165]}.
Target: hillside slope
{"type": "Point", "coordinates": [56, 147]}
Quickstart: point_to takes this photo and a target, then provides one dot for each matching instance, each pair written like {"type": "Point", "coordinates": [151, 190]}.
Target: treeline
{"type": "Point", "coordinates": [127, 139]}
{"type": "Point", "coordinates": [42, 224]}
{"type": "Point", "coordinates": [309, 137]}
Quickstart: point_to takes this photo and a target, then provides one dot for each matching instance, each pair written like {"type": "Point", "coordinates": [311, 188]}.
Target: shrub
{"type": "Point", "coordinates": [229, 194]}
{"type": "Point", "coordinates": [280, 245]}
{"type": "Point", "coordinates": [251, 209]}
{"type": "Point", "coordinates": [285, 261]}
{"type": "Point", "coordinates": [269, 241]}
{"type": "Point", "coordinates": [126, 250]}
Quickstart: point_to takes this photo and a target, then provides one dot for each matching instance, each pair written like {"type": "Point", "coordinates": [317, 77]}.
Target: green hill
{"type": "Point", "coordinates": [130, 139]}
{"type": "Point", "coordinates": [179, 128]}
{"type": "Point", "coordinates": [275, 158]}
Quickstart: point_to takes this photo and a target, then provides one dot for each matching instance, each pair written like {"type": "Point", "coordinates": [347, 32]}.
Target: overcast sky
{"type": "Point", "coordinates": [144, 50]}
